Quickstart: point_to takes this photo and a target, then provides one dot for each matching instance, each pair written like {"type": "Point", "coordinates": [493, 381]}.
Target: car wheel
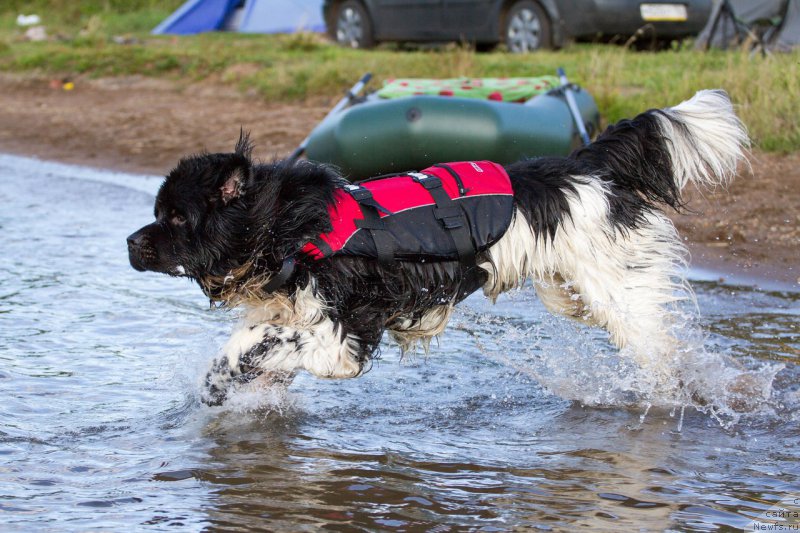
{"type": "Point", "coordinates": [526, 28]}
{"type": "Point", "coordinates": [353, 26]}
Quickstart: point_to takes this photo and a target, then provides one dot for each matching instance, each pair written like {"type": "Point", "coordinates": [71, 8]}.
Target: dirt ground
{"type": "Point", "coordinates": [750, 231]}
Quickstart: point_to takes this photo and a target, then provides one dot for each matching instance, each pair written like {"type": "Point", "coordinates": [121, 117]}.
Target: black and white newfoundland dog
{"type": "Point", "coordinates": [587, 230]}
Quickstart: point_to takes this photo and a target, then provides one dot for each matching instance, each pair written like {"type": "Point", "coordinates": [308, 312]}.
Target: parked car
{"type": "Point", "coordinates": [523, 25]}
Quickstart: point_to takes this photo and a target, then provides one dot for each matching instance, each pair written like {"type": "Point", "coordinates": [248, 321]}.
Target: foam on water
{"type": "Point", "coordinates": [261, 399]}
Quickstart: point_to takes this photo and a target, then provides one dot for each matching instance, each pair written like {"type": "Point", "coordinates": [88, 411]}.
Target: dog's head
{"type": "Point", "coordinates": [200, 217]}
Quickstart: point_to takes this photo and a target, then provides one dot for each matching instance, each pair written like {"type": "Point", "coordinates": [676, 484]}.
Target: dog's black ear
{"type": "Point", "coordinates": [233, 186]}
{"type": "Point", "coordinates": [239, 179]}
{"type": "Point", "coordinates": [244, 147]}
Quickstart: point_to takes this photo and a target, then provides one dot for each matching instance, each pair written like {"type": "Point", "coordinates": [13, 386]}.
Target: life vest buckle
{"type": "Point", "coordinates": [358, 193]}
{"type": "Point", "coordinates": [426, 180]}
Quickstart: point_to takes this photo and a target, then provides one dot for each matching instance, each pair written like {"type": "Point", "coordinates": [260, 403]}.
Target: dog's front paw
{"type": "Point", "coordinates": [217, 382]}
{"type": "Point", "coordinates": [213, 397]}
{"type": "Point", "coordinates": [222, 380]}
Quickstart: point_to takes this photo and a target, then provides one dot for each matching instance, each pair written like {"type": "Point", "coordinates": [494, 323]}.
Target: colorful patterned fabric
{"type": "Point", "coordinates": [500, 89]}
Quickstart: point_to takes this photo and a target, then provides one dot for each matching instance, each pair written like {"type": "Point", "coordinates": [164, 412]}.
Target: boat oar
{"type": "Point", "coordinates": [344, 102]}
{"type": "Point", "coordinates": [573, 106]}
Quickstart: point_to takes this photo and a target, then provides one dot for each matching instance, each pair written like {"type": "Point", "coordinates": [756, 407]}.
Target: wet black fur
{"type": "Point", "coordinates": [279, 206]}
{"type": "Point", "coordinates": [631, 156]}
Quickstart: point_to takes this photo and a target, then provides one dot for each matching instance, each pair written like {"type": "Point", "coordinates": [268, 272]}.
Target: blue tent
{"type": "Point", "coordinates": [248, 16]}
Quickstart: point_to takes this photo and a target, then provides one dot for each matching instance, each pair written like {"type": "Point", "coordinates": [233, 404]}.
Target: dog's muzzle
{"type": "Point", "coordinates": [141, 252]}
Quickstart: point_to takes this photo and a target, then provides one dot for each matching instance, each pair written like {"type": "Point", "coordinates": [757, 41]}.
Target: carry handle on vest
{"type": "Point", "coordinates": [449, 213]}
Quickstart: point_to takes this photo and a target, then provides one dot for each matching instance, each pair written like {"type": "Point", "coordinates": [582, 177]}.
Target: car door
{"type": "Point", "coordinates": [578, 17]}
{"type": "Point", "coordinates": [409, 20]}
{"type": "Point", "coordinates": [469, 19]}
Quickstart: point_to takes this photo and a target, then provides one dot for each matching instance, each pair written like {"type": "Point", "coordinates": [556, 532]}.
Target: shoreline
{"type": "Point", "coordinates": [705, 264]}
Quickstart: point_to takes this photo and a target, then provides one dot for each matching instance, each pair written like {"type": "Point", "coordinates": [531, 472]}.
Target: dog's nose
{"type": "Point", "coordinates": [135, 240]}
{"type": "Point", "coordinates": [138, 244]}
{"type": "Point", "coordinates": [140, 239]}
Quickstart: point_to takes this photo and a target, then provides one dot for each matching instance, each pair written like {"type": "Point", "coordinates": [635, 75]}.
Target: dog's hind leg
{"type": "Point", "coordinates": [619, 279]}
{"type": "Point", "coordinates": [627, 281]}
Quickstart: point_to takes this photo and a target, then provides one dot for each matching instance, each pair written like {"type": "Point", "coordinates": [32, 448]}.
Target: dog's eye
{"type": "Point", "coordinates": [177, 219]}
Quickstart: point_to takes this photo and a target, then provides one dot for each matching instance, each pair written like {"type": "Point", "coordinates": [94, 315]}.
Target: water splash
{"type": "Point", "coordinates": [257, 397]}
{"type": "Point", "coordinates": [260, 399]}
{"type": "Point", "coordinates": [577, 363]}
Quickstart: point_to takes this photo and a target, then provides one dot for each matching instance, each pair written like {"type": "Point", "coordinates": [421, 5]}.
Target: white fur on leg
{"type": "Point", "coordinates": [621, 279]}
{"type": "Point", "coordinates": [297, 334]}
{"type": "Point", "coordinates": [323, 351]}
{"type": "Point", "coordinates": [624, 279]}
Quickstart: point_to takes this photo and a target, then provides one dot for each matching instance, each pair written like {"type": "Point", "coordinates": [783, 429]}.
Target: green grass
{"type": "Point", "coordinates": [69, 16]}
{"type": "Point", "coordinates": [297, 67]}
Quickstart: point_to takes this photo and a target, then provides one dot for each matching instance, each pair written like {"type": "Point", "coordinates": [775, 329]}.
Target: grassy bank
{"type": "Point", "coordinates": [300, 66]}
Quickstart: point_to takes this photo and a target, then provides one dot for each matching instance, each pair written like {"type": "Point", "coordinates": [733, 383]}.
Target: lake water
{"type": "Point", "coordinates": [517, 420]}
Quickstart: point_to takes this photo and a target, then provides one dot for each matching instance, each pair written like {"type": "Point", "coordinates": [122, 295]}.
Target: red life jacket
{"type": "Point", "coordinates": [446, 212]}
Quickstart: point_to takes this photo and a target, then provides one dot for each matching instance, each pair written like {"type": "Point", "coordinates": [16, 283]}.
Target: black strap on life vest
{"type": "Point", "coordinates": [363, 196]}
{"type": "Point", "coordinates": [451, 215]}
{"type": "Point", "coordinates": [372, 222]}
{"type": "Point", "coordinates": [277, 281]}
